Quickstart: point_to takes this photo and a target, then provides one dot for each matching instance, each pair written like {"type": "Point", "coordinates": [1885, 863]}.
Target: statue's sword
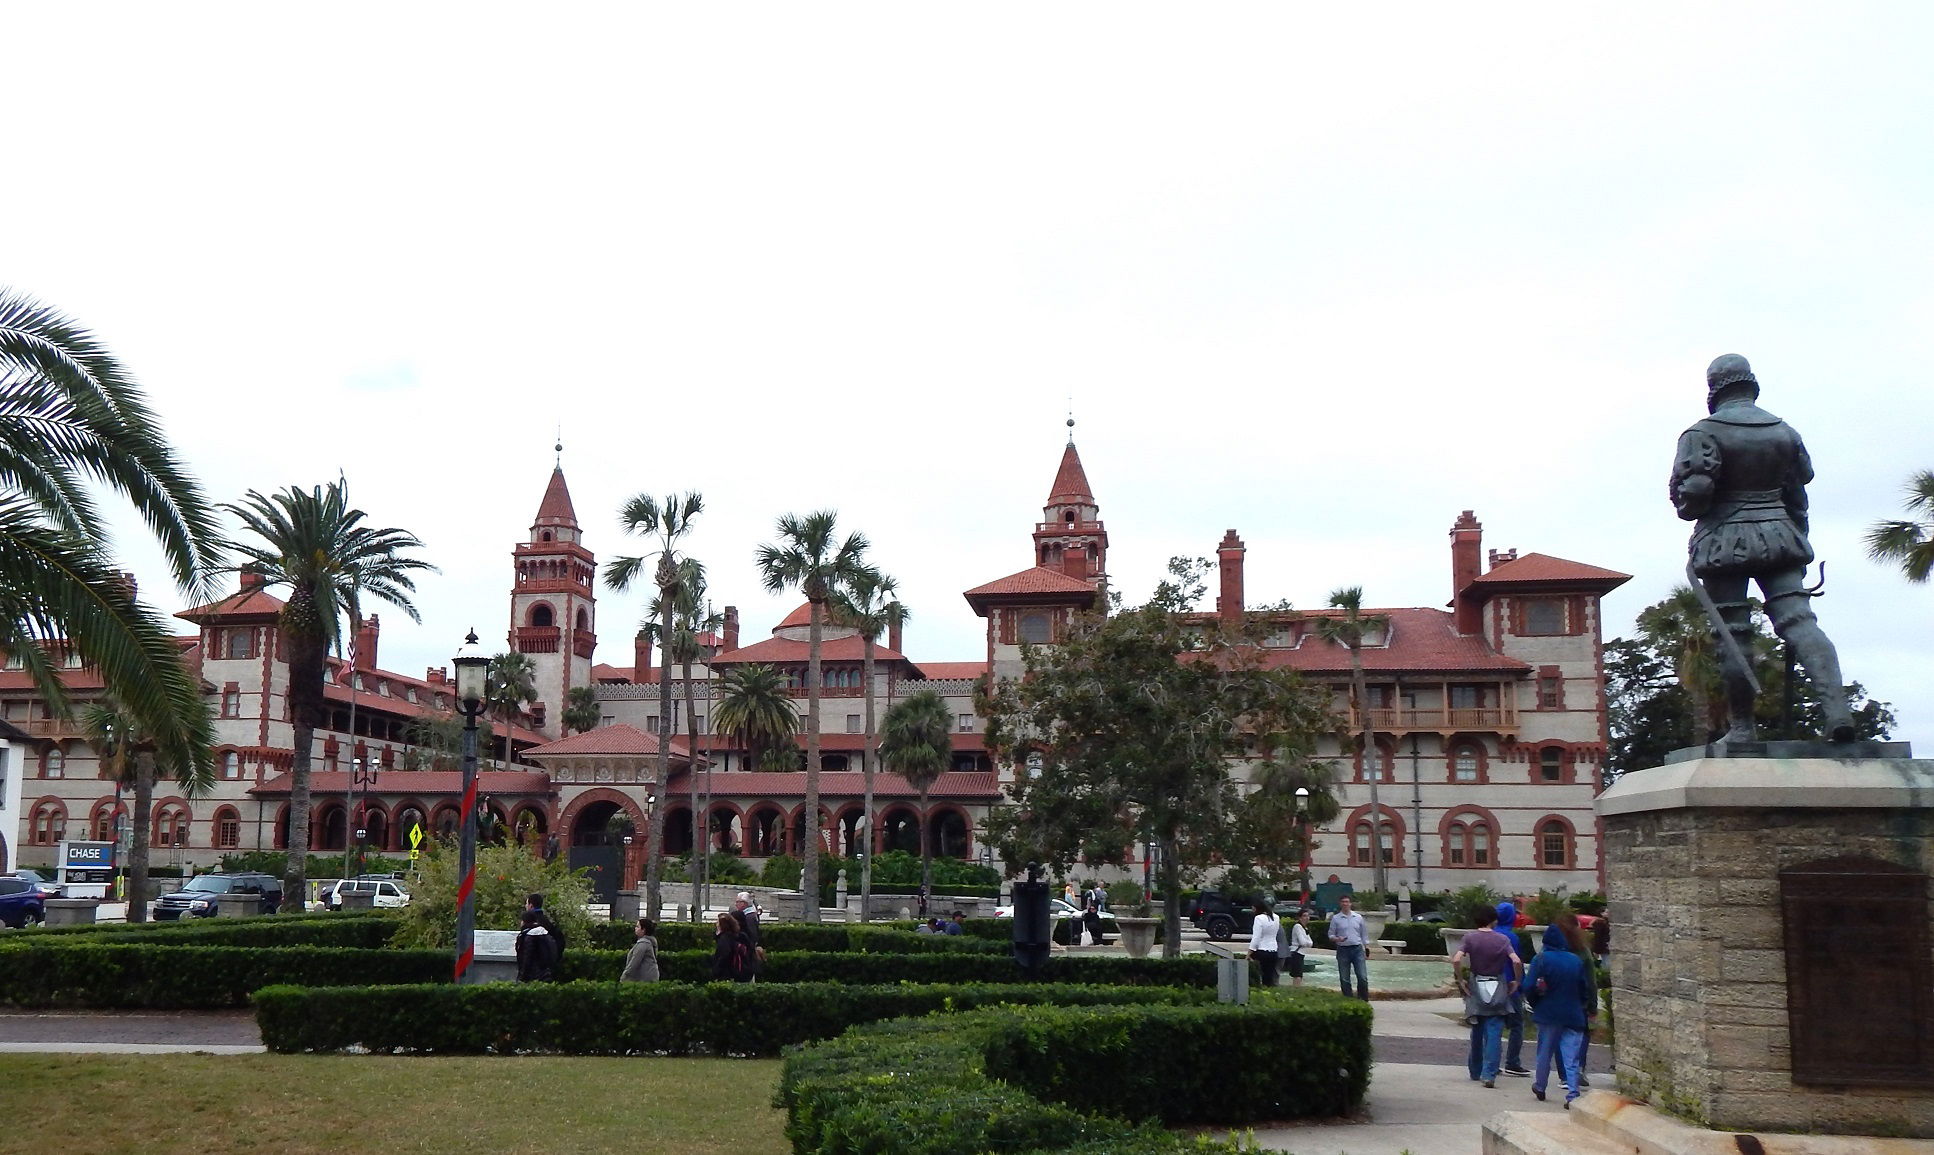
{"type": "Point", "coordinates": [1719, 627]}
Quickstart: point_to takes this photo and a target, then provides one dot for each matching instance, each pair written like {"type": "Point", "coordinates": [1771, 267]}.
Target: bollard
{"type": "Point", "coordinates": [70, 911]}
{"type": "Point", "coordinates": [625, 906]}
{"type": "Point", "coordinates": [1231, 978]}
{"type": "Point", "coordinates": [839, 891]}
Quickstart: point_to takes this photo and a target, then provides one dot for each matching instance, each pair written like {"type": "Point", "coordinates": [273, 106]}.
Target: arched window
{"type": "Point", "coordinates": [541, 616]}
{"type": "Point", "coordinates": [1384, 837]}
{"type": "Point", "coordinates": [231, 765]}
{"type": "Point", "coordinates": [1480, 844]}
{"type": "Point", "coordinates": [1554, 844]}
{"type": "Point", "coordinates": [228, 829]}
{"type": "Point", "coordinates": [101, 825]}
{"type": "Point", "coordinates": [1456, 845]}
{"type": "Point", "coordinates": [1036, 629]}
{"type": "Point", "coordinates": [54, 765]}
{"type": "Point", "coordinates": [1383, 758]}
{"type": "Point", "coordinates": [49, 824]}
{"type": "Point", "coordinates": [1551, 764]}
{"type": "Point", "coordinates": [171, 825]}
{"type": "Point", "coordinates": [1466, 764]}
{"type": "Point", "coordinates": [584, 618]}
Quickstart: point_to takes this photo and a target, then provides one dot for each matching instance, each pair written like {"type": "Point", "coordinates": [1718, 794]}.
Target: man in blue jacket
{"type": "Point", "coordinates": [1564, 999]}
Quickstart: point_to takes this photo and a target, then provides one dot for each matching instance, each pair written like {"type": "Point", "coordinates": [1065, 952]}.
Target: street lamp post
{"type": "Point", "coordinates": [1302, 809]}
{"type": "Point", "coordinates": [471, 666]}
{"type": "Point", "coordinates": [365, 782]}
{"type": "Point", "coordinates": [624, 871]}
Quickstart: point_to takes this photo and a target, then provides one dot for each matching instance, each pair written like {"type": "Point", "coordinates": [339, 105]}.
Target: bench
{"type": "Point", "coordinates": [1391, 945]}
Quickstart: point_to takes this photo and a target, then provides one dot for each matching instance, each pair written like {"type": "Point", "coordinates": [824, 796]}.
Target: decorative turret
{"type": "Point", "coordinates": [1070, 537]}
{"type": "Point", "coordinates": [554, 603]}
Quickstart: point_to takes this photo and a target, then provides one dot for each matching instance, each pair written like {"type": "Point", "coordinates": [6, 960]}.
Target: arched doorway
{"type": "Point", "coordinates": [767, 834]}
{"type": "Point", "coordinates": [947, 834]}
{"type": "Point", "coordinates": [678, 831]}
{"type": "Point", "coordinates": [851, 840]}
{"type": "Point", "coordinates": [329, 828]}
{"type": "Point", "coordinates": [407, 819]}
{"type": "Point", "coordinates": [598, 848]}
{"type": "Point", "coordinates": [529, 827]}
{"type": "Point", "coordinates": [376, 824]}
{"type": "Point", "coordinates": [900, 830]}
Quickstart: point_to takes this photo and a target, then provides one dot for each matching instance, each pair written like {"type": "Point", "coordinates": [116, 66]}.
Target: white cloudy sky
{"type": "Point", "coordinates": [1324, 276]}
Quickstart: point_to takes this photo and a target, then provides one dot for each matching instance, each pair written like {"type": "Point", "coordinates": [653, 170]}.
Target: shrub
{"type": "Point", "coordinates": [968, 1084]}
{"type": "Point", "coordinates": [791, 936]}
{"type": "Point", "coordinates": [1547, 906]}
{"type": "Point", "coordinates": [1461, 907]}
{"type": "Point", "coordinates": [290, 928]}
{"type": "Point", "coordinates": [167, 976]}
{"type": "Point", "coordinates": [628, 1018]}
{"type": "Point", "coordinates": [1591, 902]}
{"type": "Point", "coordinates": [726, 868]}
{"type": "Point", "coordinates": [937, 967]}
{"type": "Point", "coordinates": [1418, 937]}
{"type": "Point", "coordinates": [506, 875]}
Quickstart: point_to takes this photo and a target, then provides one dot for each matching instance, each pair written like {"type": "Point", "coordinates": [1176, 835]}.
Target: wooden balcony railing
{"type": "Point", "coordinates": [1440, 718]}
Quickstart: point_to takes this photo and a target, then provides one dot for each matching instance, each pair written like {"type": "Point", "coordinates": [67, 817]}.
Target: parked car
{"type": "Point", "coordinates": [1222, 916]}
{"type": "Point", "coordinates": [1059, 909]}
{"type": "Point", "coordinates": [198, 898]}
{"type": "Point", "coordinates": [386, 892]}
{"type": "Point", "coordinates": [48, 887]}
{"type": "Point", "coordinates": [21, 902]}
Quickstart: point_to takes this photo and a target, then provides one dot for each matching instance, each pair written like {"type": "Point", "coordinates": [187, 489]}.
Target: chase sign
{"type": "Point", "coordinates": [87, 856]}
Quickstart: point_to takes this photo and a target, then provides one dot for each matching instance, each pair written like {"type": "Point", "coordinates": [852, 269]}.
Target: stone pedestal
{"type": "Point", "coordinates": [1770, 942]}
{"type": "Point", "coordinates": [238, 905]}
{"type": "Point", "coordinates": [626, 907]}
{"type": "Point", "coordinates": [70, 911]}
{"type": "Point", "coordinates": [361, 901]}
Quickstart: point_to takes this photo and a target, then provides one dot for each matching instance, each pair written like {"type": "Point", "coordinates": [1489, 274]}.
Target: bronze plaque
{"type": "Point", "coordinates": [1859, 979]}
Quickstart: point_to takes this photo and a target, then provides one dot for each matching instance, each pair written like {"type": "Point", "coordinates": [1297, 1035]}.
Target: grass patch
{"type": "Point", "coordinates": [349, 1105]}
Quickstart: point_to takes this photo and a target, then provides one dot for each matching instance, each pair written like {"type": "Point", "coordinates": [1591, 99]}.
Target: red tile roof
{"type": "Point", "coordinates": [785, 651]}
{"type": "Point", "coordinates": [1037, 581]}
{"type": "Point", "coordinates": [1543, 569]}
{"type": "Point", "coordinates": [938, 670]}
{"type": "Point", "coordinates": [426, 704]}
{"type": "Point", "coordinates": [556, 508]}
{"type": "Point", "coordinates": [418, 782]}
{"type": "Point", "coordinates": [615, 739]}
{"type": "Point", "coordinates": [841, 785]}
{"type": "Point", "coordinates": [1421, 641]}
{"type": "Point", "coordinates": [803, 616]}
{"type": "Point", "coordinates": [252, 601]}
{"type": "Point", "coordinates": [1070, 481]}
{"type": "Point", "coordinates": [841, 742]}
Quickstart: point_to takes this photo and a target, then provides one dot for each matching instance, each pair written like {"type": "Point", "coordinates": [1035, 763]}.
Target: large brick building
{"type": "Point", "coordinates": [1490, 718]}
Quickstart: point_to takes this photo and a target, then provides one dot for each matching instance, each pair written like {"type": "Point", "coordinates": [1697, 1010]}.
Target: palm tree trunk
{"type": "Point", "coordinates": [810, 851]}
{"type": "Point", "coordinates": [1373, 765]}
{"type": "Point", "coordinates": [655, 834]}
{"type": "Point", "coordinates": [700, 859]}
{"type": "Point", "coordinates": [866, 771]}
{"type": "Point", "coordinates": [926, 859]}
{"type": "Point", "coordinates": [138, 841]}
{"type": "Point", "coordinates": [305, 693]}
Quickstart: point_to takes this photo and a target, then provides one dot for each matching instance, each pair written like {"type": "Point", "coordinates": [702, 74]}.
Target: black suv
{"type": "Point", "coordinates": [1222, 916]}
{"type": "Point", "coordinates": [199, 898]}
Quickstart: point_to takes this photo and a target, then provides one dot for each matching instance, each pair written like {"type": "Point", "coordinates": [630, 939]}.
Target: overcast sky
{"type": "Point", "coordinates": [1322, 275]}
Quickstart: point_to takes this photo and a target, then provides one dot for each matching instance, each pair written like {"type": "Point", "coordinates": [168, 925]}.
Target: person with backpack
{"type": "Point", "coordinates": [731, 951]}
{"type": "Point", "coordinates": [537, 950]}
{"type": "Point", "coordinates": [534, 903]}
{"type": "Point", "coordinates": [1488, 972]}
{"type": "Point", "coordinates": [750, 920]}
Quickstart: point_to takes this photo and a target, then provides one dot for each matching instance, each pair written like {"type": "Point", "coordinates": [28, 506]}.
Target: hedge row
{"type": "Point", "coordinates": [88, 974]}
{"type": "Point", "coordinates": [1007, 1079]}
{"type": "Point", "coordinates": [897, 938]}
{"type": "Point", "coordinates": [938, 967]}
{"type": "Point", "coordinates": [628, 1018]}
{"type": "Point", "coordinates": [294, 929]}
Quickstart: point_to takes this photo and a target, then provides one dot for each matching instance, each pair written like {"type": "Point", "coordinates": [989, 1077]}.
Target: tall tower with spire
{"type": "Point", "coordinates": [1070, 537]}
{"type": "Point", "coordinates": [554, 603]}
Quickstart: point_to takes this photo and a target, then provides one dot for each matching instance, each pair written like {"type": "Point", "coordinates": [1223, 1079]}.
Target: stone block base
{"type": "Point", "coordinates": [1601, 1123]}
{"type": "Point", "coordinates": [1705, 860]}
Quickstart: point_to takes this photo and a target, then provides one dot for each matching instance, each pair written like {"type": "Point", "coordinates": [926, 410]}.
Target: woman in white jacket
{"type": "Point", "coordinates": [1265, 944]}
{"type": "Point", "coordinates": [1299, 942]}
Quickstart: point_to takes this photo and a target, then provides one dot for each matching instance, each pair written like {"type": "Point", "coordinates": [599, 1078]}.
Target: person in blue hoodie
{"type": "Point", "coordinates": [1564, 999]}
{"type": "Point", "coordinates": [1514, 1022]}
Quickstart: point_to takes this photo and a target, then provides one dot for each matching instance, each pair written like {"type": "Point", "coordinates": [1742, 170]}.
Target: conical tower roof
{"type": "Point", "coordinates": [556, 512]}
{"type": "Point", "coordinates": [1070, 482]}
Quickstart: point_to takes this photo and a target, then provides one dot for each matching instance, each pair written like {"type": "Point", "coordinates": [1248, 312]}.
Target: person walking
{"type": "Point", "coordinates": [750, 920]}
{"type": "Point", "coordinates": [1564, 1000]}
{"type": "Point", "coordinates": [641, 964]}
{"type": "Point", "coordinates": [1514, 1021]}
{"type": "Point", "coordinates": [534, 904]}
{"type": "Point", "coordinates": [1265, 944]}
{"type": "Point", "coordinates": [1091, 915]}
{"type": "Point", "coordinates": [1488, 972]}
{"type": "Point", "coordinates": [1299, 943]}
{"type": "Point", "coordinates": [1581, 946]}
{"type": "Point", "coordinates": [1352, 947]}
{"type": "Point", "coordinates": [537, 950]}
{"type": "Point", "coordinates": [731, 952]}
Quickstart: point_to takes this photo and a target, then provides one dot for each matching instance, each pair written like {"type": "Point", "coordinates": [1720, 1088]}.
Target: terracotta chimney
{"type": "Point", "coordinates": [437, 676]}
{"type": "Point", "coordinates": [252, 580]}
{"type": "Point", "coordinates": [893, 638]}
{"type": "Point", "coordinates": [640, 658]}
{"type": "Point", "coordinates": [731, 628]}
{"type": "Point", "coordinates": [1500, 556]}
{"type": "Point", "coordinates": [1229, 555]}
{"type": "Point", "coordinates": [1467, 552]}
{"type": "Point", "coordinates": [365, 655]}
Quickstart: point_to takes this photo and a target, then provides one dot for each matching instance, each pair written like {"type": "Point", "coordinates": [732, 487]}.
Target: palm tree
{"type": "Point", "coordinates": [755, 709]}
{"type": "Point", "coordinates": [1910, 543]}
{"type": "Point", "coordinates": [510, 684]}
{"type": "Point", "coordinates": [1679, 629]}
{"type": "Point", "coordinates": [807, 556]}
{"type": "Point", "coordinates": [313, 542]}
{"type": "Point", "coordinates": [72, 418]}
{"type": "Point", "coordinates": [916, 740]}
{"type": "Point", "coordinates": [582, 711]}
{"type": "Point", "coordinates": [691, 618]}
{"type": "Point", "coordinates": [1347, 627]}
{"type": "Point", "coordinates": [127, 757]}
{"type": "Point", "coordinates": [868, 605]}
{"type": "Point", "coordinates": [668, 521]}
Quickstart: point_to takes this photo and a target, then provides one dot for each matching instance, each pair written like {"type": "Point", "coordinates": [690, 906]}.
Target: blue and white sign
{"type": "Point", "coordinates": [87, 856]}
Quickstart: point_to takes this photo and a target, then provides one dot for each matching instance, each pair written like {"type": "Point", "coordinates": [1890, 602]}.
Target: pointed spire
{"type": "Point", "coordinates": [556, 510]}
{"type": "Point", "coordinates": [1070, 481]}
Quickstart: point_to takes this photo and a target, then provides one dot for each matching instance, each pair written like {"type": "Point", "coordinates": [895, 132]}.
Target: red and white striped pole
{"type": "Point", "coordinates": [472, 667]}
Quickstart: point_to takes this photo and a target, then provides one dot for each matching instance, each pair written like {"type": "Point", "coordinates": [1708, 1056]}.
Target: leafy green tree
{"type": "Point", "coordinates": [1347, 626]}
{"type": "Point", "coordinates": [809, 556]}
{"type": "Point", "coordinates": [435, 741]}
{"type": "Point", "coordinates": [581, 709]}
{"type": "Point", "coordinates": [1139, 720]}
{"type": "Point", "coordinates": [1909, 543]}
{"type": "Point", "coordinates": [868, 605]}
{"type": "Point", "coordinates": [1678, 630]}
{"type": "Point", "coordinates": [72, 419]}
{"type": "Point", "coordinates": [916, 739]}
{"type": "Point", "coordinates": [313, 542]}
{"type": "Point", "coordinates": [757, 712]}
{"type": "Point", "coordinates": [668, 521]}
{"type": "Point", "coordinates": [506, 875]}
{"type": "Point", "coordinates": [510, 685]}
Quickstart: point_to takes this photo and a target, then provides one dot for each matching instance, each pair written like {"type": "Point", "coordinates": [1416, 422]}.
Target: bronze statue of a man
{"type": "Point", "coordinates": [1742, 475]}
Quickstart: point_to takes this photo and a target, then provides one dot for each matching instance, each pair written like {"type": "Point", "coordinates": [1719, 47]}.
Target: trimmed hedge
{"type": "Point", "coordinates": [293, 929]}
{"type": "Point", "coordinates": [1419, 938]}
{"type": "Point", "coordinates": [938, 967]}
{"type": "Point", "coordinates": [969, 1084]}
{"type": "Point", "coordinates": [628, 1018]}
{"type": "Point", "coordinates": [799, 936]}
{"type": "Point", "coordinates": [120, 974]}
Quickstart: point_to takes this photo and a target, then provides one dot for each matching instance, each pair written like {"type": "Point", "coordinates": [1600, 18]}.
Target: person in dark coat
{"type": "Point", "coordinates": [537, 951]}
{"type": "Point", "coordinates": [1564, 999]}
{"type": "Point", "coordinates": [731, 952]}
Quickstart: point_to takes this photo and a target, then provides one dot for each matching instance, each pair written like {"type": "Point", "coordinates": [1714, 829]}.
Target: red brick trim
{"type": "Point", "coordinates": [1458, 742]}
{"type": "Point", "coordinates": [1467, 814]}
{"type": "Point", "coordinates": [1398, 833]}
{"type": "Point", "coordinates": [1538, 841]}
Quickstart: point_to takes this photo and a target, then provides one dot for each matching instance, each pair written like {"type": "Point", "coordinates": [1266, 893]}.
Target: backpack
{"type": "Point", "coordinates": [740, 965]}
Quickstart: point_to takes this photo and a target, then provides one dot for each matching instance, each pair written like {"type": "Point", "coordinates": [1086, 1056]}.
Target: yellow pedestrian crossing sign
{"type": "Point", "coordinates": [416, 839]}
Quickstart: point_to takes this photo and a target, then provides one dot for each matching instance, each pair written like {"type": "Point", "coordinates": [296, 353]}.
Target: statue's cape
{"type": "Point", "coordinates": [1742, 413]}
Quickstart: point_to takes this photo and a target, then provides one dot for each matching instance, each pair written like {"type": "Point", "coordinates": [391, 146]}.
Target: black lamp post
{"type": "Point", "coordinates": [1302, 808]}
{"type": "Point", "coordinates": [365, 781]}
{"type": "Point", "coordinates": [472, 666]}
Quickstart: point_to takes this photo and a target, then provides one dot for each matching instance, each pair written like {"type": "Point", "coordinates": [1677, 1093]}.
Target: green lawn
{"type": "Point", "coordinates": [346, 1105]}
